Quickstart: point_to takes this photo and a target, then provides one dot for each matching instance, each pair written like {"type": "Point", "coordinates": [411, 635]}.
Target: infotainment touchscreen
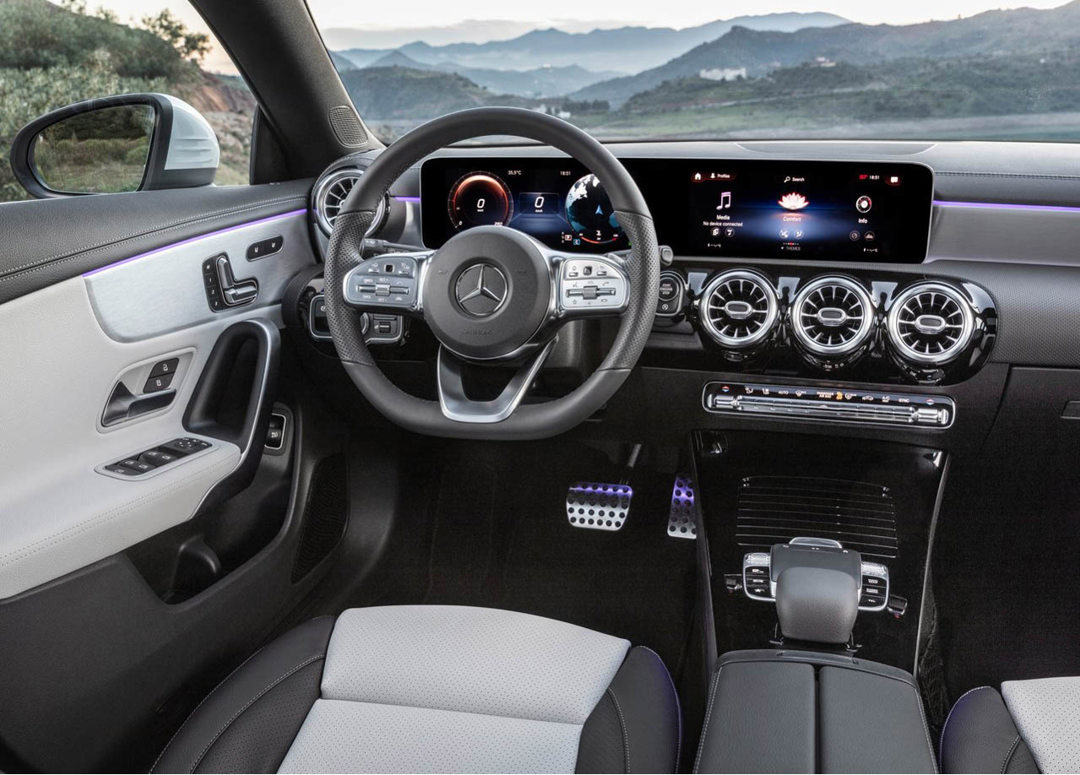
{"type": "Point", "coordinates": [814, 210]}
{"type": "Point", "coordinates": [746, 208]}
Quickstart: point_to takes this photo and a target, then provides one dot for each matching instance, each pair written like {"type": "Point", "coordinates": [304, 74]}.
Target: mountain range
{"type": "Point", "coordinates": [998, 33]}
{"type": "Point", "coordinates": [625, 50]}
{"type": "Point", "coordinates": [539, 82]}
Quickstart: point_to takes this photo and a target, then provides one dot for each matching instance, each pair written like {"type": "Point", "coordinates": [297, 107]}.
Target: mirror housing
{"type": "Point", "coordinates": [183, 150]}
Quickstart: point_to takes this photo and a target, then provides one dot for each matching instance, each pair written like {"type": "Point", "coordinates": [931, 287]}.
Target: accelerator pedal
{"type": "Point", "coordinates": [598, 506]}
{"type": "Point", "coordinates": [681, 520]}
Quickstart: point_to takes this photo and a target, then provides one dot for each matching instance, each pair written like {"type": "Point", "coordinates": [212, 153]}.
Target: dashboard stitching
{"type": "Point", "coordinates": [1024, 175]}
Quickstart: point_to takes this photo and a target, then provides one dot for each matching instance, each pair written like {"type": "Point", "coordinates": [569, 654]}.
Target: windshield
{"type": "Point", "coordinates": [951, 69]}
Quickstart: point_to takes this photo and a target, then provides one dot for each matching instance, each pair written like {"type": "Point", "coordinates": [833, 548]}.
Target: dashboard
{"type": "Point", "coordinates": [987, 235]}
{"type": "Point", "coordinates": [808, 210]}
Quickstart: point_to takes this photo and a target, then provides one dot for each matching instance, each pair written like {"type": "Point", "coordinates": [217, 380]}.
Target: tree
{"type": "Point", "coordinates": [193, 46]}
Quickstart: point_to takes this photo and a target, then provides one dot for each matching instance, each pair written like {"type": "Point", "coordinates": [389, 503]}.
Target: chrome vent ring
{"type": "Point", "coordinates": [832, 316]}
{"type": "Point", "coordinates": [930, 324]}
{"type": "Point", "coordinates": [330, 195]}
{"type": "Point", "coordinates": [739, 308]}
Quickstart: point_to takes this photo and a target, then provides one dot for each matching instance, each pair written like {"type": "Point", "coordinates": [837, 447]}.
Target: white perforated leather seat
{"type": "Point", "coordinates": [1029, 726]}
{"type": "Point", "coordinates": [436, 689]}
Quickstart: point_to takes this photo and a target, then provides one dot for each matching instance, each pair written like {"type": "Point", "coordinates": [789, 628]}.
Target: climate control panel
{"type": "Point", "coordinates": [822, 403]}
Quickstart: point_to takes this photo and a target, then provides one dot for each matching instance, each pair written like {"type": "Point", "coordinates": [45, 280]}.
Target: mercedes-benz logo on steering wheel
{"type": "Point", "coordinates": [481, 290]}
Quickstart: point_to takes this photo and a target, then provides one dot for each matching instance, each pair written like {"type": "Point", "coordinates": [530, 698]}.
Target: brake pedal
{"type": "Point", "coordinates": [598, 506]}
{"type": "Point", "coordinates": [681, 522]}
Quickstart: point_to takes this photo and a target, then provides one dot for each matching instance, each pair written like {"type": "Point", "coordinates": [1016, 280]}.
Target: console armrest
{"type": "Point", "coordinates": [781, 711]}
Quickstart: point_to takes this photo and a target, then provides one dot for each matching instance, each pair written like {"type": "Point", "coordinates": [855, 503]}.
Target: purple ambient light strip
{"type": "Point", "coordinates": [190, 240]}
{"type": "Point", "coordinates": [412, 200]}
{"type": "Point", "coordinates": [1008, 206]}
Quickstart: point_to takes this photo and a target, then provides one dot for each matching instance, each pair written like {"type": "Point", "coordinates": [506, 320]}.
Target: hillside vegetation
{"type": "Point", "coordinates": [810, 96]}
{"type": "Point", "coordinates": [51, 56]}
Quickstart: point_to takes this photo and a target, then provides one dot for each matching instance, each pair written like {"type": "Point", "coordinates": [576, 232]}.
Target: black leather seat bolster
{"type": "Point", "coordinates": [249, 721]}
{"type": "Point", "coordinates": [637, 725]}
{"type": "Point", "coordinates": [981, 736]}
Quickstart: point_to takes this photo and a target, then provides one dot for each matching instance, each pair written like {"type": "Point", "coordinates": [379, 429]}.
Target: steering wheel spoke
{"type": "Point", "coordinates": [392, 282]}
{"type": "Point", "coordinates": [456, 404]}
{"type": "Point", "coordinates": [590, 286]}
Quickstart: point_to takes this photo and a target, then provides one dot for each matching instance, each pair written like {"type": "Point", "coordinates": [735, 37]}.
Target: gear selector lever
{"type": "Point", "coordinates": [818, 587]}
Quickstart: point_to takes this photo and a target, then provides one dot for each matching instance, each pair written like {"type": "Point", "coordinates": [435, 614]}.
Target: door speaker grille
{"type": "Point", "coordinates": [775, 509]}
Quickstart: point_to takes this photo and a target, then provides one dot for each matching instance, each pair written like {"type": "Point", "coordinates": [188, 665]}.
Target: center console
{"type": "Point", "coordinates": [847, 523]}
{"type": "Point", "coordinates": [817, 554]}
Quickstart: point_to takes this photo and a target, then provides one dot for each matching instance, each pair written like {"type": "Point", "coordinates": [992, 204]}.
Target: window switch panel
{"type": "Point", "coordinates": [152, 459]}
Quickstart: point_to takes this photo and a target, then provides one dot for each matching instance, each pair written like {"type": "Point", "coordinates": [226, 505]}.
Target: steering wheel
{"type": "Point", "coordinates": [491, 294]}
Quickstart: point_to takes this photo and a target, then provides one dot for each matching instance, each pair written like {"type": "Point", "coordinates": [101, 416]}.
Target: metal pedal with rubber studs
{"type": "Point", "coordinates": [681, 520]}
{"type": "Point", "coordinates": [598, 506]}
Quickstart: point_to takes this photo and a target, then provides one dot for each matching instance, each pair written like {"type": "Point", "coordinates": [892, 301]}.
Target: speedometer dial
{"type": "Point", "coordinates": [480, 199]}
{"type": "Point", "coordinates": [589, 211]}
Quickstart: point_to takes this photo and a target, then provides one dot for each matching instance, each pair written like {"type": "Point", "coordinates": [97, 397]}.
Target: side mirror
{"type": "Point", "coordinates": [129, 142]}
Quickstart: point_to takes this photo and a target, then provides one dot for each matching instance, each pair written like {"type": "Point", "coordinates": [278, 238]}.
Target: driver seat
{"type": "Point", "coordinates": [436, 689]}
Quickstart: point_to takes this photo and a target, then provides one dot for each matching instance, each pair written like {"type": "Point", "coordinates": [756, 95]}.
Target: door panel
{"type": "Point", "coordinates": [72, 345]}
{"type": "Point", "coordinates": [107, 636]}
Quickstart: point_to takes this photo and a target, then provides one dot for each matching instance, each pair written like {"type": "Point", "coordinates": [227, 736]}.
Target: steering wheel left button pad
{"type": "Point", "coordinates": [388, 281]}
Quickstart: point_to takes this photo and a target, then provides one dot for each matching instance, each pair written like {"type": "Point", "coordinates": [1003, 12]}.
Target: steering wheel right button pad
{"type": "Point", "coordinates": [592, 286]}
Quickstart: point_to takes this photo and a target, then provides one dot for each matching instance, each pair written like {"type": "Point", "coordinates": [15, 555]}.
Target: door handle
{"type": "Point", "coordinates": [235, 293]}
{"type": "Point", "coordinates": [124, 405]}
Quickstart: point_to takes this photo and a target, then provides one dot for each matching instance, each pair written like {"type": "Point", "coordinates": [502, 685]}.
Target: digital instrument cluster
{"type": "Point", "coordinates": [807, 210]}
{"type": "Point", "coordinates": [557, 201]}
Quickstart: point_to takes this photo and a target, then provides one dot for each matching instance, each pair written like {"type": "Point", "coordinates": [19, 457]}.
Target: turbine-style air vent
{"type": "Point", "coordinates": [832, 316]}
{"type": "Point", "coordinates": [739, 308]}
{"type": "Point", "coordinates": [331, 195]}
{"type": "Point", "coordinates": [930, 323]}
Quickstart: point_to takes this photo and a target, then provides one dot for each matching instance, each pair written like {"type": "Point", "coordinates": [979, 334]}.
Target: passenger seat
{"type": "Point", "coordinates": [1030, 726]}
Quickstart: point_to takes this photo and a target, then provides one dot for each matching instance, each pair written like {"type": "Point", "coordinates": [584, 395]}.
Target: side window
{"type": "Point", "coordinates": [52, 55]}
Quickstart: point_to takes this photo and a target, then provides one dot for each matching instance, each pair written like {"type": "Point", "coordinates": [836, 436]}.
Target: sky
{"type": "Point", "coordinates": [402, 21]}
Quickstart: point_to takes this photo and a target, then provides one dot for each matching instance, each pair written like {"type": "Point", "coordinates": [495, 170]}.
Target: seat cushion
{"type": "Point", "coordinates": [437, 689]}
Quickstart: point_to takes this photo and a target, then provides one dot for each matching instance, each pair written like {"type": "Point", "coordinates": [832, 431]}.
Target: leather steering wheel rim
{"type": "Point", "coordinates": [528, 421]}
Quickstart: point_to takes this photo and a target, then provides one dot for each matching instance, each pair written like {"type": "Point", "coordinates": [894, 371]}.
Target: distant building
{"type": "Point", "coordinates": [823, 62]}
{"type": "Point", "coordinates": [722, 73]}
{"type": "Point", "coordinates": [553, 110]}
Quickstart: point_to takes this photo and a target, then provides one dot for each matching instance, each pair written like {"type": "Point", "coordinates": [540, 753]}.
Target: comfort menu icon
{"type": "Point", "coordinates": [793, 201]}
